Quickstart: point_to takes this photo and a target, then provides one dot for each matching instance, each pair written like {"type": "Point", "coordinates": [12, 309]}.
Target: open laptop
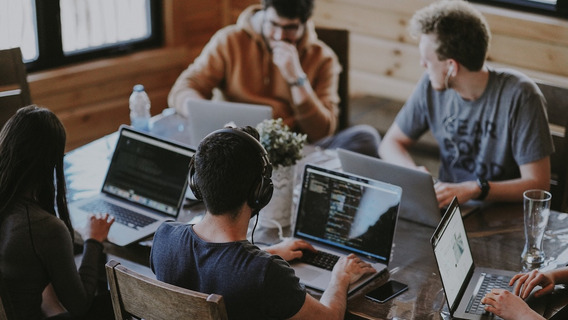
{"type": "Point", "coordinates": [339, 214]}
{"type": "Point", "coordinates": [206, 116]}
{"type": "Point", "coordinates": [419, 201]}
{"type": "Point", "coordinates": [144, 186]}
{"type": "Point", "coordinates": [463, 282]}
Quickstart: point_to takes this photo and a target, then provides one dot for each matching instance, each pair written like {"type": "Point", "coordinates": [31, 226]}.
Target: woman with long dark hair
{"type": "Point", "coordinates": [36, 237]}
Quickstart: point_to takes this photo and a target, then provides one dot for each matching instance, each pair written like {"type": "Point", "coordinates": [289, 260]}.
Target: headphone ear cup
{"type": "Point", "coordinates": [192, 185]}
{"type": "Point", "coordinates": [262, 194]}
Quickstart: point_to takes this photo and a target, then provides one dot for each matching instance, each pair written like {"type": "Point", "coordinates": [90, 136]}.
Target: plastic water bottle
{"type": "Point", "coordinates": [139, 108]}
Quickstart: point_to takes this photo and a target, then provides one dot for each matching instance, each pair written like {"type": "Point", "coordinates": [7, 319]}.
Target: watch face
{"type": "Point", "coordinates": [484, 186]}
{"type": "Point", "coordinates": [300, 81]}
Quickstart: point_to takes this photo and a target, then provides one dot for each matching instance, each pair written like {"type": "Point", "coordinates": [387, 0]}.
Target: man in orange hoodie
{"type": "Point", "coordinates": [272, 56]}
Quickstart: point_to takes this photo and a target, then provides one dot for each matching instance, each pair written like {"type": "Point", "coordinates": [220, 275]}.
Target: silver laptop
{"type": "Point", "coordinates": [339, 214]}
{"type": "Point", "coordinates": [144, 186]}
{"type": "Point", "coordinates": [418, 203]}
{"type": "Point", "coordinates": [206, 116]}
{"type": "Point", "coordinates": [464, 283]}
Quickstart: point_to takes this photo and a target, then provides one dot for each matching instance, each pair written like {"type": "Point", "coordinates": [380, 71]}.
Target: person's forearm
{"type": "Point", "coordinates": [512, 190]}
{"type": "Point", "coordinates": [335, 297]}
{"type": "Point", "coordinates": [313, 117]}
{"type": "Point", "coordinates": [560, 275]}
{"type": "Point", "coordinates": [178, 100]}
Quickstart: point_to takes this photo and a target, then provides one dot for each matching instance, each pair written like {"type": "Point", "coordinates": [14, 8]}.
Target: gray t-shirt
{"type": "Point", "coordinates": [488, 138]}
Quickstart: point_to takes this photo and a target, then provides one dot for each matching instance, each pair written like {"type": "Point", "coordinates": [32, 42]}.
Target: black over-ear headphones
{"type": "Point", "coordinates": [263, 191]}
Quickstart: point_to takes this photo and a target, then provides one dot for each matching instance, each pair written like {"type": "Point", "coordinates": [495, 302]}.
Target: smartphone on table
{"type": "Point", "coordinates": [387, 291]}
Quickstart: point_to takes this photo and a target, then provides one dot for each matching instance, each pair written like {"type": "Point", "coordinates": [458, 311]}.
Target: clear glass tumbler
{"type": "Point", "coordinates": [536, 206]}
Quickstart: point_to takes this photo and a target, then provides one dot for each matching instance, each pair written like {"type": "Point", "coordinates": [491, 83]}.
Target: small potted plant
{"type": "Point", "coordinates": [284, 149]}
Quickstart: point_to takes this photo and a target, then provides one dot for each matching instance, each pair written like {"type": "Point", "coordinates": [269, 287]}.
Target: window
{"type": "Point", "coordinates": [558, 8]}
{"type": "Point", "coordinates": [52, 33]}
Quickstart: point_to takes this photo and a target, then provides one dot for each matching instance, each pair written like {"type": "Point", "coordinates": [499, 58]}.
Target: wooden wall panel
{"type": "Point", "coordinates": [383, 57]}
{"type": "Point", "coordinates": [91, 99]}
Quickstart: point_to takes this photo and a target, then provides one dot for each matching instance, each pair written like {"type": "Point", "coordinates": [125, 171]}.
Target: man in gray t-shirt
{"type": "Point", "coordinates": [490, 124]}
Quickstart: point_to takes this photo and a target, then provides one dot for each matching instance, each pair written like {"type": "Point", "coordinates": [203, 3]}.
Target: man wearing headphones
{"type": "Point", "coordinates": [490, 124]}
{"type": "Point", "coordinates": [231, 173]}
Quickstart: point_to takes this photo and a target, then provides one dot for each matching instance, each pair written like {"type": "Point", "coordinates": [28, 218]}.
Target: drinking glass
{"type": "Point", "coordinates": [536, 206]}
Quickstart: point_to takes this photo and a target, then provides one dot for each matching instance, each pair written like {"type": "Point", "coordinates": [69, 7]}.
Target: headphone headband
{"type": "Point", "coordinates": [262, 193]}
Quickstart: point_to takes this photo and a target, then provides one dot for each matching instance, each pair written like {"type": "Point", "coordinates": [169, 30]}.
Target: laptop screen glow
{"type": "Point", "coordinates": [453, 255]}
{"type": "Point", "coordinates": [348, 212]}
{"type": "Point", "coordinates": [138, 172]}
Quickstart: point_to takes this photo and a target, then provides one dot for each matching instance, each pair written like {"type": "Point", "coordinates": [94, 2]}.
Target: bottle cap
{"type": "Point", "coordinates": [138, 88]}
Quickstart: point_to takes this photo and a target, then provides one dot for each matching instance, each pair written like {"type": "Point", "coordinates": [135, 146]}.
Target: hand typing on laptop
{"type": "Point", "coordinates": [290, 249]}
{"type": "Point", "coordinates": [98, 226]}
{"type": "Point", "coordinates": [511, 305]}
{"type": "Point", "coordinates": [350, 269]}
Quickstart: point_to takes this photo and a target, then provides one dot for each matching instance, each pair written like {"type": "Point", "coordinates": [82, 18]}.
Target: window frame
{"type": "Point", "coordinates": [49, 39]}
{"type": "Point", "coordinates": [559, 10]}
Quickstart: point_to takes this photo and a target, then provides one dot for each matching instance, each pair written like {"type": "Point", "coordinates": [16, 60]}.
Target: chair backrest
{"type": "Point", "coordinates": [557, 108]}
{"type": "Point", "coordinates": [338, 41]}
{"type": "Point", "coordinates": [135, 295]}
{"type": "Point", "coordinates": [14, 89]}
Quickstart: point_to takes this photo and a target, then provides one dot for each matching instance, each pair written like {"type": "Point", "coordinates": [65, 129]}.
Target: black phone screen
{"type": "Point", "coordinates": [387, 291]}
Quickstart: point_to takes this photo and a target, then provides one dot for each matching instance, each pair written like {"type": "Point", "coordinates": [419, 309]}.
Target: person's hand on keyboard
{"type": "Point", "coordinates": [526, 282]}
{"type": "Point", "coordinates": [290, 249]}
{"type": "Point", "coordinates": [508, 306]}
{"type": "Point", "coordinates": [98, 226]}
{"type": "Point", "coordinates": [351, 268]}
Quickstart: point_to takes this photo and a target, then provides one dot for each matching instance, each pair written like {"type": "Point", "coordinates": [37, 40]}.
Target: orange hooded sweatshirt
{"type": "Point", "coordinates": [238, 62]}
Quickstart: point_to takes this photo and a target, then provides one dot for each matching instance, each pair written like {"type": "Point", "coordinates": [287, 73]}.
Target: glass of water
{"type": "Point", "coordinates": [536, 206]}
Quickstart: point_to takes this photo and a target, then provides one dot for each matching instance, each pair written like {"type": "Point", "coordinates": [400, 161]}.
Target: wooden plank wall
{"type": "Point", "coordinates": [92, 98]}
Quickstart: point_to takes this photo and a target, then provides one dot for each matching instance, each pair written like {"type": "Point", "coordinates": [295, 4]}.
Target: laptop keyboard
{"type": "Point", "coordinates": [121, 215]}
{"type": "Point", "coordinates": [489, 282]}
{"type": "Point", "coordinates": [319, 259]}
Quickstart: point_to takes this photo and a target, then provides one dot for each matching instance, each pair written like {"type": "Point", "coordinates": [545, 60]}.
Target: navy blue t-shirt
{"type": "Point", "coordinates": [253, 283]}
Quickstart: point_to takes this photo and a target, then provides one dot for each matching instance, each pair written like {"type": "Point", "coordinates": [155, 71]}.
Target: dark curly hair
{"type": "Point", "coordinates": [227, 171]}
{"type": "Point", "coordinates": [291, 9]}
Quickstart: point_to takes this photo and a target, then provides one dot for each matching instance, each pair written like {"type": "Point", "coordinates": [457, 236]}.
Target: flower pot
{"type": "Point", "coordinates": [278, 212]}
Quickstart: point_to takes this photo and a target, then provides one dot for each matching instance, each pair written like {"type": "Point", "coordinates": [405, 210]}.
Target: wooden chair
{"type": "Point", "coordinates": [557, 108]}
{"type": "Point", "coordinates": [14, 90]}
{"type": "Point", "coordinates": [338, 41]}
{"type": "Point", "coordinates": [135, 295]}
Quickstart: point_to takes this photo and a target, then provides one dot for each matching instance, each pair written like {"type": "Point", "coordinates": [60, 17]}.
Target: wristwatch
{"type": "Point", "coordinates": [302, 79]}
{"type": "Point", "coordinates": [484, 186]}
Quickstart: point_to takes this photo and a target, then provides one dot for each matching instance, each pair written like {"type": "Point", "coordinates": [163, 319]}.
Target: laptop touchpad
{"type": "Point", "coordinates": [306, 273]}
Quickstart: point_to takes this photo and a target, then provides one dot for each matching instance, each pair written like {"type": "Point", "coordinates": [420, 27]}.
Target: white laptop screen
{"type": "Point", "coordinates": [348, 212]}
{"type": "Point", "coordinates": [148, 171]}
{"type": "Point", "coordinates": [453, 254]}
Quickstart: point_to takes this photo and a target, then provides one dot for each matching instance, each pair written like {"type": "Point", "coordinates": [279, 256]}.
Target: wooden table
{"type": "Point", "coordinates": [496, 238]}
